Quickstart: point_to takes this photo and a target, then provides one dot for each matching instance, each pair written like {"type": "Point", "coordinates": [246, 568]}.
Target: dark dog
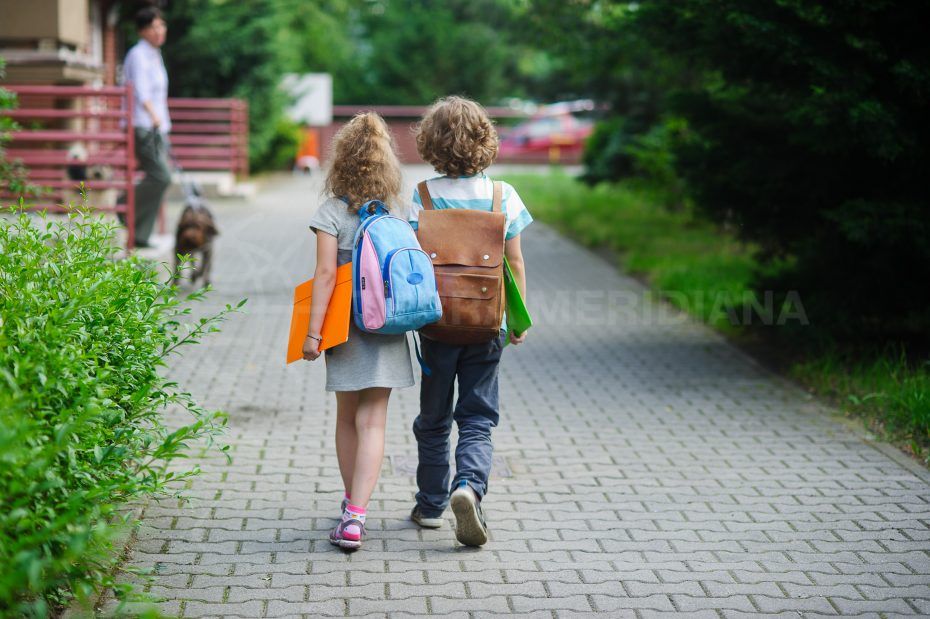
{"type": "Point", "coordinates": [196, 230]}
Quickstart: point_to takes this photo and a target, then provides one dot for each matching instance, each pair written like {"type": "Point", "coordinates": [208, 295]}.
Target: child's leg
{"type": "Point", "coordinates": [370, 419]}
{"type": "Point", "coordinates": [432, 426]}
{"type": "Point", "coordinates": [346, 436]}
{"type": "Point", "coordinates": [360, 426]}
{"type": "Point", "coordinates": [476, 413]}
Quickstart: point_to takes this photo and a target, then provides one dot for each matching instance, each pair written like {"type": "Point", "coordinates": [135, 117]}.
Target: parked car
{"type": "Point", "coordinates": [555, 133]}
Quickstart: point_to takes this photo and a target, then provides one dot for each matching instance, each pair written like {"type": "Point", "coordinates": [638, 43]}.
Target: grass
{"type": "Point", "coordinates": [704, 270]}
{"type": "Point", "coordinates": [672, 250]}
{"type": "Point", "coordinates": [890, 393]}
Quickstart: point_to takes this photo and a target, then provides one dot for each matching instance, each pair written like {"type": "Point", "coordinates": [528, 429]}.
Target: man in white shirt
{"type": "Point", "coordinates": [144, 68]}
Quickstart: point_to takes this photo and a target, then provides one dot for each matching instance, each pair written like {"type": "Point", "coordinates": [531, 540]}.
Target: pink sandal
{"type": "Point", "coordinates": [348, 534]}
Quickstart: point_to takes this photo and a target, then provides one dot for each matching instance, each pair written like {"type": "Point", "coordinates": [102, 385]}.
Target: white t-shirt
{"type": "Point", "coordinates": [145, 69]}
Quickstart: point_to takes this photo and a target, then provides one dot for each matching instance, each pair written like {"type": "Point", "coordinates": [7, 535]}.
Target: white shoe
{"type": "Point", "coordinates": [427, 523]}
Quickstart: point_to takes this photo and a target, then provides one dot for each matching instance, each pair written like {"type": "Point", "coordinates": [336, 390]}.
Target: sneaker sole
{"type": "Point", "coordinates": [428, 523]}
{"type": "Point", "coordinates": [468, 527]}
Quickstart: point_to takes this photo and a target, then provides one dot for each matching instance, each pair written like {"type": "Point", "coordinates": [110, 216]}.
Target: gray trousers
{"type": "Point", "coordinates": [152, 156]}
{"type": "Point", "coordinates": [476, 412]}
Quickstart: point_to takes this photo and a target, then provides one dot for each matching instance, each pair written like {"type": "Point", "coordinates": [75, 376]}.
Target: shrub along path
{"type": "Point", "coordinates": [649, 466]}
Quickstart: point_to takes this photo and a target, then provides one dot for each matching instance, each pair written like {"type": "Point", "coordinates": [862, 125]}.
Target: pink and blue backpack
{"type": "Point", "coordinates": [394, 285]}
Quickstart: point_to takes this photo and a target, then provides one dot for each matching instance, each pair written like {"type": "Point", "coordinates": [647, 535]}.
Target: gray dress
{"type": "Point", "coordinates": [367, 359]}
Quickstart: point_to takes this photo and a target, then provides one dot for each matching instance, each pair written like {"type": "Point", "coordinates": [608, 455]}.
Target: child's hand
{"type": "Point", "coordinates": [311, 349]}
{"type": "Point", "coordinates": [517, 339]}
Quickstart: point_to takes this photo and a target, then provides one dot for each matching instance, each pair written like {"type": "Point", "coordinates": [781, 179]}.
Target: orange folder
{"type": "Point", "coordinates": [335, 329]}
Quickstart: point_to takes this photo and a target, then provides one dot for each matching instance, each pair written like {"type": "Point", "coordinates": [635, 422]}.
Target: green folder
{"type": "Point", "coordinates": [518, 319]}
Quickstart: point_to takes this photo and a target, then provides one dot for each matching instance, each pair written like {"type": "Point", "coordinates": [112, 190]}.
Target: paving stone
{"type": "Point", "coordinates": [611, 604]}
{"type": "Point", "coordinates": [772, 604]}
{"type": "Point", "coordinates": [362, 606]}
{"type": "Point", "coordinates": [328, 608]}
{"type": "Point", "coordinates": [853, 607]}
{"type": "Point", "coordinates": [443, 605]}
{"type": "Point", "coordinates": [523, 604]}
{"type": "Point", "coordinates": [692, 614]}
{"type": "Point", "coordinates": [653, 468]}
{"type": "Point", "coordinates": [698, 603]}
{"type": "Point", "coordinates": [247, 594]}
{"type": "Point", "coordinates": [738, 614]}
{"type": "Point", "coordinates": [241, 609]}
{"type": "Point", "coordinates": [397, 590]}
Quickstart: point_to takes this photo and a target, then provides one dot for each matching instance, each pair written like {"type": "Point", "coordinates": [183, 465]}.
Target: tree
{"type": "Point", "coordinates": [601, 53]}
{"type": "Point", "coordinates": [378, 51]}
{"type": "Point", "coordinates": [803, 125]}
{"type": "Point", "coordinates": [217, 48]}
{"type": "Point", "coordinates": [813, 140]}
{"type": "Point", "coordinates": [415, 51]}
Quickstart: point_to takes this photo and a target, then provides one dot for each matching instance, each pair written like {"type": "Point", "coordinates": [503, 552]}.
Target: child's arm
{"type": "Point", "coordinates": [324, 280]}
{"type": "Point", "coordinates": [514, 254]}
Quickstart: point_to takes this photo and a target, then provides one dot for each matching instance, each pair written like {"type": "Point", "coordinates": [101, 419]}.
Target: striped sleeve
{"type": "Point", "coordinates": [518, 217]}
{"type": "Point", "coordinates": [415, 207]}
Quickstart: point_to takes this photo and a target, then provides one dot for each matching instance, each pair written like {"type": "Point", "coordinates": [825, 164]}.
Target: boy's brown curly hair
{"type": "Point", "coordinates": [364, 162]}
{"type": "Point", "coordinates": [457, 137]}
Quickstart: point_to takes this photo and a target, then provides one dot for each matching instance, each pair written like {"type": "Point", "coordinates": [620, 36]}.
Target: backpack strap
{"type": "Point", "coordinates": [496, 201]}
{"type": "Point", "coordinates": [416, 347]}
{"type": "Point", "coordinates": [425, 198]}
{"type": "Point", "coordinates": [372, 208]}
{"type": "Point", "coordinates": [498, 196]}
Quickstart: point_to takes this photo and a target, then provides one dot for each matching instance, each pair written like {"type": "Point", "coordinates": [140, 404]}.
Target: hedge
{"type": "Point", "coordinates": [84, 340]}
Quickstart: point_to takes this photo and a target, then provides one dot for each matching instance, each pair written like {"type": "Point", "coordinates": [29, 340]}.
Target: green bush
{"type": "Point", "coordinates": [812, 141]}
{"type": "Point", "coordinates": [11, 172]}
{"type": "Point", "coordinates": [807, 134]}
{"type": "Point", "coordinates": [83, 340]}
{"type": "Point", "coordinates": [283, 146]}
{"type": "Point", "coordinates": [606, 155]}
{"type": "Point", "coordinates": [620, 148]}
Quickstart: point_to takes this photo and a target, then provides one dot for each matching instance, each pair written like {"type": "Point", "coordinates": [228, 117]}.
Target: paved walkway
{"type": "Point", "coordinates": [647, 467]}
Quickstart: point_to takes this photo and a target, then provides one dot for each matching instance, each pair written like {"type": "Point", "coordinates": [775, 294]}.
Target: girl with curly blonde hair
{"type": "Point", "coordinates": [364, 163]}
{"type": "Point", "coordinates": [363, 370]}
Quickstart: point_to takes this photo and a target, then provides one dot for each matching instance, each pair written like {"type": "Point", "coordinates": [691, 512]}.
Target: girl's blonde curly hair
{"type": "Point", "coordinates": [364, 162]}
{"type": "Point", "coordinates": [456, 137]}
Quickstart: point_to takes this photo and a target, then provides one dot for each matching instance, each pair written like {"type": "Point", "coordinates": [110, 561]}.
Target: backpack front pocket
{"type": "Point", "coordinates": [371, 287]}
{"type": "Point", "coordinates": [410, 284]}
{"type": "Point", "coordinates": [473, 295]}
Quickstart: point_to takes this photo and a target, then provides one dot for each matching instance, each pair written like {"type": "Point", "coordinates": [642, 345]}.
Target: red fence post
{"type": "Point", "coordinates": [130, 170]}
{"type": "Point", "coordinates": [235, 114]}
{"type": "Point", "coordinates": [244, 139]}
{"type": "Point", "coordinates": [47, 153]}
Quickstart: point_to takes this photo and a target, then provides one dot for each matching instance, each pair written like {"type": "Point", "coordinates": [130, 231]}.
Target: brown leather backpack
{"type": "Point", "coordinates": [467, 250]}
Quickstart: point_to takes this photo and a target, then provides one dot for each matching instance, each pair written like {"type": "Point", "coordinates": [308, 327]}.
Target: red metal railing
{"type": "Point", "coordinates": [415, 111]}
{"type": "Point", "coordinates": [210, 134]}
{"type": "Point", "coordinates": [99, 121]}
{"type": "Point", "coordinates": [401, 119]}
{"type": "Point", "coordinates": [207, 134]}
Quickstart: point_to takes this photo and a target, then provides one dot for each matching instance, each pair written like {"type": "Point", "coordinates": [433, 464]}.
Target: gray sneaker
{"type": "Point", "coordinates": [427, 523]}
{"type": "Point", "coordinates": [470, 528]}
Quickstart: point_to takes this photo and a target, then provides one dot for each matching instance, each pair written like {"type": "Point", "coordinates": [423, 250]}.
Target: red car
{"type": "Point", "coordinates": [555, 135]}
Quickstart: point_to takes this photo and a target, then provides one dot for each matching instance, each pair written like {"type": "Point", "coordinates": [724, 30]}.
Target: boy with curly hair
{"type": "Point", "coordinates": [457, 138]}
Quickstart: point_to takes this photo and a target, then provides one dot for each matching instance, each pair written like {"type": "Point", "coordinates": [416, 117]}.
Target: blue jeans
{"type": "Point", "coordinates": [475, 413]}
